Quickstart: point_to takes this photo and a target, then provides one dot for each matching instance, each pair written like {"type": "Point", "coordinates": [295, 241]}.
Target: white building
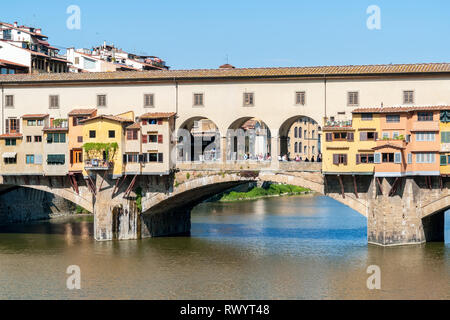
{"type": "Point", "coordinates": [26, 50]}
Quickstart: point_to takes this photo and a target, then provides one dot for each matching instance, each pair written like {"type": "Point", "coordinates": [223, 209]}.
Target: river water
{"type": "Point", "coordinates": [305, 247]}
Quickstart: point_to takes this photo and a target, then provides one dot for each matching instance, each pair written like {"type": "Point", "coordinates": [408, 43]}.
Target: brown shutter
{"type": "Point", "coordinates": [335, 159]}
{"type": "Point", "coordinates": [345, 159]}
{"type": "Point", "coordinates": [329, 136]}
{"type": "Point", "coordinates": [144, 138]}
{"type": "Point", "coordinates": [363, 136]}
{"type": "Point", "coordinates": [376, 135]}
{"type": "Point", "coordinates": [160, 138]}
{"type": "Point", "coordinates": [350, 136]}
{"type": "Point", "coordinates": [129, 135]}
{"type": "Point", "coordinates": [7, 126]}
{"type": "Point", "coordinates": [358, 159]}
{"type": "Point", "coordinates": [71, 156]}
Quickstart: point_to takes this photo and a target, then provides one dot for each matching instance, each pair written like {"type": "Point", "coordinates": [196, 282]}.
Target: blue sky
{"type": "Point", "coordinates": [200, 34]}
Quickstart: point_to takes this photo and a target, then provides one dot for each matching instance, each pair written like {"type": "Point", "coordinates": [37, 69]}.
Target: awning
{"type": "Point", "coordinates": [7, 155]}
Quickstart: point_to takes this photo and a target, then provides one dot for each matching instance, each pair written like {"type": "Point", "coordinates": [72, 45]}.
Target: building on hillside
{"type": "Point", "coordinates": [26, 50]}
{"type": "Point", "coordinates": [75, 138]}
{"type": "Point", "coordinates": [109, 58]}
{"type": "Point", "coordinates": [104, 143]}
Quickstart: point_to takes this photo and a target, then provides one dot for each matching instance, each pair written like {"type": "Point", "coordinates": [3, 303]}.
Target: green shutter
{"type": "Point", "coordinates": [443, 160]}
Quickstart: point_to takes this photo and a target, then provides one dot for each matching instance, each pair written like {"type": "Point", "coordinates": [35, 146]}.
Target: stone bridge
{"type": "Point", "coordinates": [399, 211]}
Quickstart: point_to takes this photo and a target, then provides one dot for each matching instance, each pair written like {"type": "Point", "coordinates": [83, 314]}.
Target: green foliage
{"type": "Point", "coordinates": [80, 210]}
{"type": "Point", "coordinates": [188, 175]}
{"type": "Point", "coordinates": [176, 184]}
{"type": "Point", "coordinates": [273, 190]}
{"type": "Point", "coordinates": [94, 148]}
{"type": "Point", "coordinates": [138, 192]}
{"type": "Point", "coordinates": [58, 122]}
{"type": "Point", "coordinates": [400, 137]}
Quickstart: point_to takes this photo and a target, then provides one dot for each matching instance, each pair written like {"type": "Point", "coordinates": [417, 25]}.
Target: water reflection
{"type": "Point", "coordinates": [292, 248]}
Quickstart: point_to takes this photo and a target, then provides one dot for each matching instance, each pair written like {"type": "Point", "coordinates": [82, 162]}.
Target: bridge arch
{"type": "Point", "coordinates": [300, 136]}
{"type": "Point", "coordinates": [198, 139]}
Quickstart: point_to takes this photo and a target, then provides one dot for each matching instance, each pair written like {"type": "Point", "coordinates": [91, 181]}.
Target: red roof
{"type": "Point", "coordinates": [10, 63]}
{"type": "Point", "coordinates": [400, 109]}
{"type": "Point", "coordinates": [82, 112]}
{"type": "Point", "coordinates": [157, 115]}
{"type": "Point", "coordinates": [135, 125]}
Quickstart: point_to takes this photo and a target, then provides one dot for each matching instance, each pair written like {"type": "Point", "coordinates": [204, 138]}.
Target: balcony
{"type": "Point", "coordinates": [432, 126]}
{"type": "Point", "coordinates": [98, 164]}
{"type": "Point", "coordinates": [338, 124]}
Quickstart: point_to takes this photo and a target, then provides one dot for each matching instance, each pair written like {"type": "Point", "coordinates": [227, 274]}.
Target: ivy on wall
{"type": "Point", "coordinates": [94, 149]}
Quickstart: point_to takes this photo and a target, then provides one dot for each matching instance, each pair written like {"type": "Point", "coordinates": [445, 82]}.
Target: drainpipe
{"type": "Point", "coordinates": [325, 93]}
{"type": "Point", "coordinates": [3, 110]}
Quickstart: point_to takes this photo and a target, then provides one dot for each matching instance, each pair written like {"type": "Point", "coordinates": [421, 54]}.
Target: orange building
{"type": "Point", "coordinates": [76, 137]}
{"type": "Point", "coordinates": [409, 143]}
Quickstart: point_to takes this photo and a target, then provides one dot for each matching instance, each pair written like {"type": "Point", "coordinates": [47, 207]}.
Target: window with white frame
{"type": "Point", "coordinates": [425, 136]}
{"type": "Point", "coordinates": [249, 99]}
{"type": "Point", "coordinates": [149, 100]}
{"type": "Point", "coordinates": [353, 98]}
{"type": "Point", "coordinates": [300, 98]}
{"type": "Point", "coordinates": [425, 157]}
{"type": "Point", "coordinates": [408, 97]}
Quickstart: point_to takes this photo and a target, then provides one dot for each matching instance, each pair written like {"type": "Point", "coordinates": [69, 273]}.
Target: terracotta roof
{"type": "Point", "coordinates": [34, 116]}
{"type": "Point", "coordinates": [82, 112]}
{"type": "Point", "coordinates": [243, 73]}
{"type": "Point", "coordinates": [135, 125]}
{"type": "Point", "coordinates": [11, 135]}
{"type": "Point", "coordinates": [10, 63]}
{"type": "Point", "coordinates": [400, 109]}
{"type": "Point", "coordinates": [109, 117]}
{"type": "Point", "coordinates": [157, 115]}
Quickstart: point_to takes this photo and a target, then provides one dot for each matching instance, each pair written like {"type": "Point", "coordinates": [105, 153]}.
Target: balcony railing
{"type": "Point", "coordinates": [97, 164]}
{"type": "Point", "coordinates": [338, 124]}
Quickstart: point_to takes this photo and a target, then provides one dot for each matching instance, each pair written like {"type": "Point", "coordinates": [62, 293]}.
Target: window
{"type": "Point", "coordinates": [54, 102]}
{"type": "Point", "coordinates": [340, 159]}
{"type": "Point", "coordinates": [305, 149]}
{"type": "Point", "coordinates": [12, 125]}
{"type": "Point", "coordinates": [153, 138]}
{"type": "Point", "coordinates": [364, 158]}
{"type": "Point", "coordinates": [249, 99]}
{"type": "Point", "coordinates": [198, 99]}
{"type": "Point", "coordinates": [9, 101]}
{"type": "Point", "coordinates": [132, 157]}
{"type": "Point", "coordinates": [445, 137]}
{"type": "Point", "coordinates": [30, 158]}
{"type": "Point", "coordinates": [29, 139]}
{"type": "Point", "coordinates": [424, 136]}
{"type": "Point", "coordinates": [55, 137]}
{"type": "Point", "coordinates": [80, 139]}
{"type": "Point", "coordinates": [296, 147]}
{"type": "Point", "coordinates": [10, 142]}
{"type": "Point", "coordinates": [353, 98]}
{"type": "Point", "coordinates": [77, 60]}
{"type": "Point", "coordinates": [77, 120]}
{"type": "Point", "coordinates": [443, 160]}
{"type": "Point", "coordinates": [101, 100]}
{"type": "Point", "coordinates": [425, 158]}
{"type": "Point", "coordinates": [305, 134]}
{"type": "Point", "coordinates": [40, 123]}
{"type": "Point", "coordinates": [387, 157]}
{"type": "Point", "coordinates": [56, 159]}
{"type": "Point", "coordinates": [37, 138]}
{"type": "Point", "coordinates": [149, 100]}
{"type": "Point", "coordinates": [300, 133]}
{"type": "Point", "coordinates": [408, 97]}
{"type": "Point", "coordinates": [111, 134]}
{"type": "Point", "coordinates": [92, 134]}
{"type": "Point", "coordinates": [295, 132]}
{"type": "Point", "coordinates": [153, 157]}
{"type": "Point", "coordinates": [392, 118]}
{"type": "Point", "coordinates": [76, 156]}
{"type": "Point", "coordinates": [31, 123]}
{"type": "Point", "coordinates": [385, 135]}
{"type": "Point", "coordinates": [368, 136]}
{"type": "Point", "coordinates": [300, 98]}
{"type": "Point", "coordinates": [425, 116]}
{"type": "Point", "coordinates": [395, 135]}
{"type": "Point", "coordinates": [132, 134]}
{"type": "Point", "coordinates": [410, 158]}
{"type": "Point", "coordinates": [10, 160]}
{"type": "Point", "coordinates": [366, 116]}
{"type": "Point", "coordinates": [312, 134]}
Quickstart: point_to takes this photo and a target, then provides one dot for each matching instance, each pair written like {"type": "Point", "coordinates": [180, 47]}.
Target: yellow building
{"type": "Point", "coordinates": [104, 142]}
{"type": "Point", "coordinates": [444, 128]}
{"type": "Point", "coordinates": [348, 145]}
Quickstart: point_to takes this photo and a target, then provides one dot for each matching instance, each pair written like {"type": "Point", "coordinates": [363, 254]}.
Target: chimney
{"type": "Point", "coordinates": [15, 24]}
{"type": "Point", "coordinates": [38, 31]}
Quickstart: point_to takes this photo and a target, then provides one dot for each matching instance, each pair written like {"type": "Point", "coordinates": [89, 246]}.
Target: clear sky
{"type": "Point", "coordinates": [253, 33]}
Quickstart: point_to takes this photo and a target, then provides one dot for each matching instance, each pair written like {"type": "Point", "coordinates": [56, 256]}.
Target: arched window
{"type": "Point", "coordinates": [305, 134]}
{"type": "Point", "coordinates": [312, 149]}
{"type": "Point", "coordinates": [295, 132]}
{"type": "Point", "coordinates": [306, 150]}
{"type": "Point", "coordinates": [300, 132]}
{"type": "Point", "coordinates": [312, 134]}
{"type": "Point", "coordinates": [299, 147]}
{"type": "Point", "coordinates": [296, 147]}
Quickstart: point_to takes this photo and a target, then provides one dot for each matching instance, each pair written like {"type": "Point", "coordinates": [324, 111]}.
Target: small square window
{"type": "Point", "coordinates": [80, 139]}
{"type": "Point", "coordinates": [149, 100]}
{"type": "Point", "coordinates": [37, 138]}
{"type": "Point", "coordinates": [29, 138]}
{"type": "Point", "coordinates": [54, 102]}
{"type": "Point", "coordinates": [249, 99]}
{"type": "Point", "coordinates": [111, 133]}
{"type": "Point", "coordinates": [300, 98]}
{"type": "Point", "coordinates": [408, 97]}
{"type": "Point", "coordinates": [9, 101]}
{"type": "Point", "coordinates": [92, 134]}
{"type": "Point", "coordinates": [198, 99]}
{"type": "Point", "coordinates": [353, 98]}
{"type": "Point", "coordinates": [101, 100]}
{"type": "Point", "coordinates": [367, 117]}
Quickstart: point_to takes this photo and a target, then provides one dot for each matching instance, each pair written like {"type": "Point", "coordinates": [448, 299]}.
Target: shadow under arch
{"type": "Point", "coordinates": [300, 136]}
{"type": "Point", "coordinates": [198, 139]}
